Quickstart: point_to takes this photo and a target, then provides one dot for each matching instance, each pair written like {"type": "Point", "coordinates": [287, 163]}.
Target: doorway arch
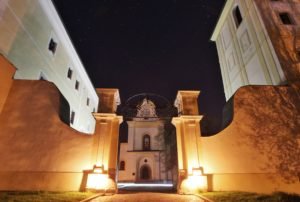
{"type": "Point", "coordinates": [145, 173]}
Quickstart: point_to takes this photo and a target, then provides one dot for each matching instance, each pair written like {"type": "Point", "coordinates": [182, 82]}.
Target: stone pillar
{"type": "Point", "coordinates": [105, 146]}
{"type": "Point", "coordinates": [188, 142]}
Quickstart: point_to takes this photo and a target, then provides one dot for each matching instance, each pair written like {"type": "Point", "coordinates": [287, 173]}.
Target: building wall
{"type": "Point", "coordinates": [135, 160]}
{"type": "Point", "coordinates": [136, 131]}
{"type": "Point", "coordinates": [260, 150]}
{"type": "Point", "coordinates": [246, 53]}
{"type": "Point", "coordinates": [285, 38]}
{"type": "Point", "coordinates": [6, 79]}
{"type": "Point", "coordinates": [37, 150]}
{"type": "Point", "coordinates": [26, 30]}
{"type": "Point", "coordinates": [134, 156]}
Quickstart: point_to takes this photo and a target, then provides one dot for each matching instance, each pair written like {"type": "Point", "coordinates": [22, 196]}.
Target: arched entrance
{"type": "Point", "coordinates": [145, 172]}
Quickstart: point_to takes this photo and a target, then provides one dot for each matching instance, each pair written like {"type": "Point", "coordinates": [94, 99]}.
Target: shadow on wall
{"type": "Point", "coordinates": [64, 109]}
{"type": "Point", "coordinates": [212, 125]}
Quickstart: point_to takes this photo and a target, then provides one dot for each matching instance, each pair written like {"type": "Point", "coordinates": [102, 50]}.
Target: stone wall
{"type": "Point", "coordinates": [37, 150]}
{"type": "Point", "coordinates": [260, 150]}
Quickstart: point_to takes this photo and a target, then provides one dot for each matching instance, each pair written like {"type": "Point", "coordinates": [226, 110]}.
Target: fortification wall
{"type": "Point", "coordinates": [37, 150]}
{"type": "Point", "coordinates": [260, 150]}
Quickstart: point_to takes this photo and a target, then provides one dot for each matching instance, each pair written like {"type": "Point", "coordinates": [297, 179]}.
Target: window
{"type": "Point", "coordinates": [77, 85]}
{"type": "Point", "coordinates": [87, 101]}
{"type": "Point", "coordinates": [146, 142]}
{"type": "Point", "coordinates": [237, 16]}
{"type": "Point", "coordinates": [52, 46]}
{"type": "Point", "coordinates": [94, 110]}
{"type": "Point", "coordinates": [70, 73]}
{"type": "Point", "coordinates": [122, 165]}
{"type": "Point", "coordinates": [72, 117]}
{"type": "Point", "coordinates": [285, 18]}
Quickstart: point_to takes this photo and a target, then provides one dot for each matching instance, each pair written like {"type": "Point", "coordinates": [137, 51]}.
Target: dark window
{"type": "Point", "coordinates": [88, 102]}
{"type": "Point", "coordinates": [94, 110]}
{"type": "Point", "coordinates": [146, 142]}
{"type": "Point", "coordinates": [285, 18]}
{"type": "Point", "coordinates": [237, 16]}
{"type": "Point", "coordinates": [52, 46]}
{"type": "Point", "coordinates": [72, 117]}
{"type": "Point", "coordinates": [122, 165]}
{"type": "Point", "coordinates": [70, 73]}
{"type": "Point", "coordinates": [77, 85]}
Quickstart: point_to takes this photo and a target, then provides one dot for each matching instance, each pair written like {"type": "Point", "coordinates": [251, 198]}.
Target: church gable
{"type": "Point", "coordinates": [146, 109]}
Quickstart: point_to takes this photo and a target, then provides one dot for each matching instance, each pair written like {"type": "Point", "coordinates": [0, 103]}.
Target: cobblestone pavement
{"type": "Point", "coordinates": [148, 197]}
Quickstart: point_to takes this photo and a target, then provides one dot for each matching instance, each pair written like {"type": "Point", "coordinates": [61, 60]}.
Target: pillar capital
{"type": "Point", "coordinates": [187, 102]}
{"type": "Point", "coordinates": [108, 117]}
{"type": "Point", "coordinates": [186, 119]}
{"type": "Point", "coordinates": [109, 99]}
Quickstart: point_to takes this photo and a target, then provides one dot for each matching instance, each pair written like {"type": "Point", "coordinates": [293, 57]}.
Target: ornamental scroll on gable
{"type": "Point", "coordinates": [146, 109]}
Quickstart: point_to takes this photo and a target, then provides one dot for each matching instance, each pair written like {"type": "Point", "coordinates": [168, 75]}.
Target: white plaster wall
{"type": "Point", "coordinates": [26, 29]}
{"type": "Point", "coordinates": [133, 155]}
{"type": "Point", "coordinates": [135, 160]}
{"type": "Point", "coordinates": [137, 130]}
{"type": "Point", "coordinates": [246, 54]}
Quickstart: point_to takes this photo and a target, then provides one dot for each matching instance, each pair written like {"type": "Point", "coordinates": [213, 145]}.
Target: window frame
{"type": "Point", "coordinates": [72, 117]}
{"type": "Point", "coordinates": [146, 146]}
{"type": "Point", "coordinates": [52, 45]}
{"type": "Point", "coordinates": [288, 16]}
{"type": "Point", "coordinates": [77, 85]}
{"type": "Point", "coordinates": [122, 165]}
{"type": "Point", "coordinates": [237, 16]}
{"type": "Point", "coordinates": [70, 73]}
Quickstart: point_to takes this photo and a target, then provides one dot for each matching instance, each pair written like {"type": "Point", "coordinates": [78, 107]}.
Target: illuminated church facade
{"type": "Point", "coordinates": [142, 157]}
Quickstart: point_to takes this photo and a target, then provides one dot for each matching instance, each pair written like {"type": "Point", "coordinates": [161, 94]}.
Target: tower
{"type": "Point", "coordinates": [258, 43]}
{"type": "Point", "coordinates": [142, 157]}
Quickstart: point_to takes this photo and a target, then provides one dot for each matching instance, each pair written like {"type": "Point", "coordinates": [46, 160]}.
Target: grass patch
{"type": "Point", "coordinates": [250, 197]}
{"type": "Point", "coordinates": [36, 196]}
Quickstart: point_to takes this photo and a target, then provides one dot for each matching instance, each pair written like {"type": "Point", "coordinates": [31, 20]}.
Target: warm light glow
{"type": "Point", "coordinates": [197, 171]}
{"type": "Point", "coordinates": [98, 169]}
{"type": "Point", "coordinates": [194, 184]}
{"type": "Point", "coordinates": [97, 181]}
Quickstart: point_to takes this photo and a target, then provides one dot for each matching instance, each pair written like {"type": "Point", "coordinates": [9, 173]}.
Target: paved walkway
{"type": "Point", "coordinates": [147, 197]}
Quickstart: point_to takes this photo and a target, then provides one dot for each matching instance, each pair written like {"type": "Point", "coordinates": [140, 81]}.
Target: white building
{"type": "Point", "coordinates": [247, 55]}
{"type": "Point", "coordinates": [142, 158]}
{"type": "Point", "coordinates": [35, 41]}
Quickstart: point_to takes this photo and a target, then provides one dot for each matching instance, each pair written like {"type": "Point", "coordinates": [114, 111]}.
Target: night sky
{"type": "Point", "coordinates": [155, 46]}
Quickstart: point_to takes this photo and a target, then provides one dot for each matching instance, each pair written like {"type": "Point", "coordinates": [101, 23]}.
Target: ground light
{"type": "Point", "coordinates": [97, 179]}
{"type": "Point", "coordinates": [195, 182]}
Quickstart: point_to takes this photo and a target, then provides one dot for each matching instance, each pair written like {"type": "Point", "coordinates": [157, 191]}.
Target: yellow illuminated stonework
{"type": "Point", "coordinates": [191, 178]}
{"type": "Point", "coordinates": [105, 152]}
